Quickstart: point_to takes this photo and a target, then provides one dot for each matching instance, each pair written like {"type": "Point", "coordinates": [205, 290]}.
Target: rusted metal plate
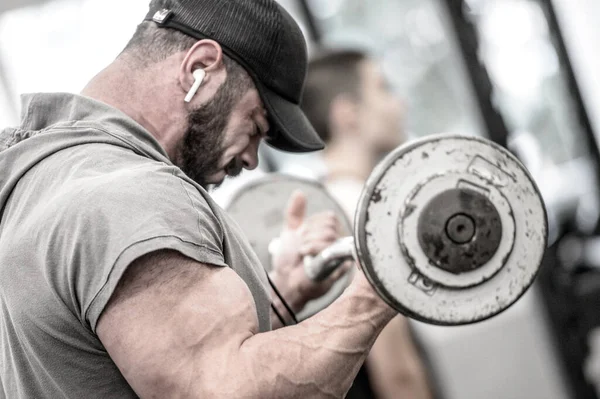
{"type": "Point", "coordinates": [258, 207]}
{"type": "Point", "coordinates": [432, 254]}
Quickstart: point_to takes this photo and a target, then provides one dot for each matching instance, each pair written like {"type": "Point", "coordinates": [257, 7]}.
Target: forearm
{"type": "Point", "coordinates": [294, 301]}
{"type": "Point", "coordinates": [280, 316]}
{"type": "Point", "coordinates": [195, 333]}
{"type": "Point", "coordinates": [319, 358]}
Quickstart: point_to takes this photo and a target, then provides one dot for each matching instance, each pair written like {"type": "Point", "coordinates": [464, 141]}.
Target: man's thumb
{"type": "Point", "coordinates": [295, 210]}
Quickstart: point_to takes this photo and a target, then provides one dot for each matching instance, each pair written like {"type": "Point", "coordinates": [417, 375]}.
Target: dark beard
{"type": "Point", "coordinates": [201, 149]}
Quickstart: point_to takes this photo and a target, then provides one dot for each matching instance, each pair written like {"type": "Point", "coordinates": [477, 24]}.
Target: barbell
{"type": "Point", "coordinates": [449, 229]}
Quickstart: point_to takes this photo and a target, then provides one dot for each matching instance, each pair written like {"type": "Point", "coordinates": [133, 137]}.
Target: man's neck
{"type": "Point", "coordinates": [132, 91]}
{"type": "Point", "coordinates": [348, 159]}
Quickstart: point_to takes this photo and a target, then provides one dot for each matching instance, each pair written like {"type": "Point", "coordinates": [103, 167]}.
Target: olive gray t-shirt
{"type": "Point", "coordinates": [84, 191]}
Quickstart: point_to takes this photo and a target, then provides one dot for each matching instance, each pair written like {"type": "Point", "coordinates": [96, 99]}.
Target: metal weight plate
{"type": "Point", "coordinates": [450, 229]}
{"type": "Point", "coordinates": [258, 207]}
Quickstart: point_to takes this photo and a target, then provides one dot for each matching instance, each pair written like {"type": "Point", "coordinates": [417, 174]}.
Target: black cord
{"type": "Point", "coordinates": [278, 315]}
{"type": "Point", "coordinates": [282, 300]}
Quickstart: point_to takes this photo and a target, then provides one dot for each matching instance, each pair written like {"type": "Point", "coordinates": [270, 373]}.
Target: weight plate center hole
{"type": "Point", "coordinates": [460, 228]}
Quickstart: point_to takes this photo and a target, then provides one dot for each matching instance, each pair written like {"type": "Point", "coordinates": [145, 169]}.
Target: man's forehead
{"type": "Point", "coordinates": [251, 104]}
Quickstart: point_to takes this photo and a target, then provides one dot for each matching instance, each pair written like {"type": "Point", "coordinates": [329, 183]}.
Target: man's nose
{"type": "Point", "coordinates": [250, 155]}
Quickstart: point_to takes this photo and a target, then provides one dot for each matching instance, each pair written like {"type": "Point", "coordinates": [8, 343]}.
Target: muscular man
{"type": "Point", "coordinates": [349, 104]}
{"type": "Point", "coordinates": [119, 276]}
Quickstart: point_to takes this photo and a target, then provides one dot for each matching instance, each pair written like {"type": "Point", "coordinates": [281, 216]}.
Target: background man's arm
{"type": "Point", "coordinates": [301, 236]}
{"type": "Point", "coordinates": [394, 365]}
{"type": "Point", "coordinates": [178, 328]}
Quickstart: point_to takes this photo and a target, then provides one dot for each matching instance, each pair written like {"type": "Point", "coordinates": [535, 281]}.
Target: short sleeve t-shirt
{"type": "Point", "coordinates": [84, 191]}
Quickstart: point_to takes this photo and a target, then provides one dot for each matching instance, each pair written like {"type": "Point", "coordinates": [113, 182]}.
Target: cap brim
{"type": "Point", "coordinates": [290, 129]}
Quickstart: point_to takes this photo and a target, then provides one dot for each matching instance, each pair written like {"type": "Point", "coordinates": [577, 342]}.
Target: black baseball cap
{"type": "Point", "coordinates": [262, 37]}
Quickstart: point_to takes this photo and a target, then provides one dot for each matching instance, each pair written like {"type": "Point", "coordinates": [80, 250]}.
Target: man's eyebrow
{"type": "Point", "coordinates": [262, 120]}
{"type": "Point", "coordinates": [264, 129]}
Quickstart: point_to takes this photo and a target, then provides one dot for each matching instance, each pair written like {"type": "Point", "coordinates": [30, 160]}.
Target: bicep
{"type": "Point", "coordinates": [172, 323]}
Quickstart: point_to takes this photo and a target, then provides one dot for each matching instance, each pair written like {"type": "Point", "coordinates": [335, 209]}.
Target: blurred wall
{"type": "Point", "coordinates": [579, 20]}
{"type": "Point", "coordinates": [59, 45]}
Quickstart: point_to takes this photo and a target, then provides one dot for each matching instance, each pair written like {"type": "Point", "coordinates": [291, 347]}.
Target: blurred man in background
{"type": "Point", "coordinates": [350, 105]}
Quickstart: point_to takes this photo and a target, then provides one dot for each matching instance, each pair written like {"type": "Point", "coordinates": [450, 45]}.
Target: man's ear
{"type": "Point", "coordinates": [207, 55]}
{"type": "Point", "coordinates": [343, 115]}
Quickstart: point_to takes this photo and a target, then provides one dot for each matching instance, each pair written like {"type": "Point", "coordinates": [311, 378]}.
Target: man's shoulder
{"type": "Point", "coordinates": [144, 188]}
{"type": "Point", "coordinates": [136, 176]}
{"type": "Point", "coordinates": [139, 204]}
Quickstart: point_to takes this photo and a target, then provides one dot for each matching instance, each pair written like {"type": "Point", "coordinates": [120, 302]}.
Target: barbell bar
{"type": "Point", "coordinates": [449, 229]}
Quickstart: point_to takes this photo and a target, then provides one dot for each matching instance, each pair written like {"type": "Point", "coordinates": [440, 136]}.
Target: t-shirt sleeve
{"type": "Point", "coordinates": [123, 217]}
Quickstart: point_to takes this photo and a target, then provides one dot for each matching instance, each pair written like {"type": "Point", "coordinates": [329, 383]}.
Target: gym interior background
{"type": "Point", "coordinates": [523, 73]}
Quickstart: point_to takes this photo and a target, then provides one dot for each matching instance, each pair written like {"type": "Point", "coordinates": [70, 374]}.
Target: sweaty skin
{"type": "Point", "coordinates": [180, 329]}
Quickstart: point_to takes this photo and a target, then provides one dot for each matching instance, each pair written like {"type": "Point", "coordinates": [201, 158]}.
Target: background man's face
{"type": "Point", "coordinates": [380, 111]}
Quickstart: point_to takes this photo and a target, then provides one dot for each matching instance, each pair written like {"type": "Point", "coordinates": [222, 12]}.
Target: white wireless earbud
{"type": "Point", "coordinates": [199, 75]}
